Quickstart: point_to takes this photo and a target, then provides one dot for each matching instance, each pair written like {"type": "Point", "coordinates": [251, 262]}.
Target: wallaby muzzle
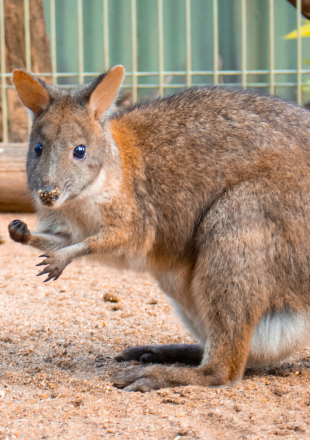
{"type": "Point", "coordinates": [49, 197]}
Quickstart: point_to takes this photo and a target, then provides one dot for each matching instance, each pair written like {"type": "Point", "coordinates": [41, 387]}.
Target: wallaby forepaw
{"type": "Point", "coordinates": [19, 232]}
{"type": "Point", "coordinates": [55, 266]}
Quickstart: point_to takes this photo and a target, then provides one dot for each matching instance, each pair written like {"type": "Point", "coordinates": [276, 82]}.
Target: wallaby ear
{"type": "Point", "coordinates": [32, 94]}
{"type": "Point", "coordinates": [106, 92]}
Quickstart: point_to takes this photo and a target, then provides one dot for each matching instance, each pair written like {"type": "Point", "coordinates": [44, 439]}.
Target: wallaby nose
{"type": "Point", "coordinates": [49, 195]}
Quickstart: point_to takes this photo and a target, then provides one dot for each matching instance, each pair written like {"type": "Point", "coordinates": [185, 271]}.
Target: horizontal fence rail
{"type": "Point", "coordinates": [160, 77]}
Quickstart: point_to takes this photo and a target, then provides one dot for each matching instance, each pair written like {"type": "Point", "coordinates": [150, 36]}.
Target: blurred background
{"type": "Point", "coordinates": [165, 45]}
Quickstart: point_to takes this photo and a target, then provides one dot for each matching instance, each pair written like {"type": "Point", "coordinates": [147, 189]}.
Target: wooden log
{"type": "Point", "coordinates": [14, 194]}
{"type": "Point", "coordinates": [15, 58]}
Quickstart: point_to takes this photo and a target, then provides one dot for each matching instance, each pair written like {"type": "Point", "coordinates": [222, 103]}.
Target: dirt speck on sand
{"type": "Point", "coordinates": [58, 341]}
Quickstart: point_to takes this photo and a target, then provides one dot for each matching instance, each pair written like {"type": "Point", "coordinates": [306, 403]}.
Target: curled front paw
{"type": "Point", "coordinates": [54, 266]}
{"type": "Point", "coordinates": [19, 232]}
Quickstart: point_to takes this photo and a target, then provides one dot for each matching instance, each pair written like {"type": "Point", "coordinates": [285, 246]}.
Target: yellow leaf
{"type": "Point", "coordinates": [304, 32]}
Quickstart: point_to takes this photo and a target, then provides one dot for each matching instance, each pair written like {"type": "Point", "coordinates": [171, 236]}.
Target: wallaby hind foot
{"type": "Point", "coordinates": [154, 377]}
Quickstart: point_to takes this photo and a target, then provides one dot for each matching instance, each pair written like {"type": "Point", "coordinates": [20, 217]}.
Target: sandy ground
{"type": "Point", "coordinates": [57, 344]}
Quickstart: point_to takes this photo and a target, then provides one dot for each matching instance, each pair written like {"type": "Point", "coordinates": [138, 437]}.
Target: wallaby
{"type": "Point", "coordinates": [208, 190]}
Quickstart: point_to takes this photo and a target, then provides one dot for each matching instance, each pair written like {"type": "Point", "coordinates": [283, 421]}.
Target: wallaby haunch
{"type": "Point", "coordinates": [208, 190]}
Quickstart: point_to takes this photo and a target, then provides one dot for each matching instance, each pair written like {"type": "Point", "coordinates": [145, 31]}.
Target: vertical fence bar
{"type": "Point", "coordinates": [271, 46]}
{"type": "Point", "coordinates": [81, 40]}
{"type": "Point", "coordinates": [3, 80]}
{"type": "Point", "coordinates": [161, 46]}
{"type": "Point", "coordinates": [299, 54]}
{"type": "Point", "coordinates": [106, 34]}
{"type": "Point", "coordinates": [28, 48]}
{"type": "Point", "coordinates": [215, 43]}
{"type": "Point", "coordinates": [53, 41]}
{"type": "Point", "coordinates": [27, 35]}
{"type": "Point", "coordinates": [134, 50]}
{"type": "Point", "coordinates": [243, 43]}
{"type": "Point", "coordinates": [188, 44]}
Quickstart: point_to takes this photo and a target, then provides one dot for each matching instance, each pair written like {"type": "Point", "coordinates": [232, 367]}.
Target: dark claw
{"type": "Point", "coordinates": [43, 263]}
{"type": "Point", "coordinates": [48, 278]}
{"type": "Point", "coordinates": [43, 272]}
{"type": "Point", "coordinates": [44, 255]}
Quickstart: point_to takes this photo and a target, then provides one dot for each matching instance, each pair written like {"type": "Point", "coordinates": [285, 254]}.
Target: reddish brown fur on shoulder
{"type": "Point", "coordinates": [125, 138]}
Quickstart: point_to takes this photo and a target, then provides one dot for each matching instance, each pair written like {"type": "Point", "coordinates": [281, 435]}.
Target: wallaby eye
{"type": "Point", "coordinates": [38, 149]}
{"type": "Point", "coordinates": [79, 152]}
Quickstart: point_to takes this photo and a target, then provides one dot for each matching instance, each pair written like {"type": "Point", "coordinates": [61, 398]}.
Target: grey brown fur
{"type": "Point", "coordinates": [208, 190]}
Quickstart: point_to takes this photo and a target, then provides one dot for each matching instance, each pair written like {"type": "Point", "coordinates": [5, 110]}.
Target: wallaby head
{"type": "Point", "coordinates": [69, 145]}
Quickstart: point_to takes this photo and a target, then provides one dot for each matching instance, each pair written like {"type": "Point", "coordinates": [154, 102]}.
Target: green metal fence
{"type": "Point", "coordinates": [166, 45]}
